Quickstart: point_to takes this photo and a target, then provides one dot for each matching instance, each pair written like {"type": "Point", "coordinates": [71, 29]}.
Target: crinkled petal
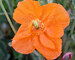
{"type": "Point", "coordinates": [46, 41]}
{"type": "Point", "coordinates": [21, 18]}
{"type": "Point", "coordinates": [55, 15]}
{"type": "Point", "coordinates": [23, 31]}
{"type": "Point", "coordinates": [47, 10]}
{"type": "Point", "coordinates": [28, 0]}
{"type": "Point", "coordinates": [23, 46]}
{"type": "Point", "coordinates": [54, 31]}
{"type": "Point", "coordinates": [47, 52]}
{"type": "Point", "coordinates": [37, 9]}
{"type": "Point", "coordinates": [27, 11]}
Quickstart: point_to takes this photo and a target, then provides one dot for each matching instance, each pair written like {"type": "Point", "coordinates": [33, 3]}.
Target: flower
{"type": "Point", "coordinates": [41, 28]}
{"type": "Point", "coordinates": [69, 11]}
{"type": "Point", "coordinates": [67, 56]}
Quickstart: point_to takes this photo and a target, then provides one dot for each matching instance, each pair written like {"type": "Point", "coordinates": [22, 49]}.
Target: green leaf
{"type": "Point", "coordinates": [73, 37]}
{"type": "Point", "coordinates": [3, 51]}
{"type": "Point", "coordinates": [73, 2]}
{"type": "Point", "coordinates": [50, 1]}
{"type": "Point", "coordinates": [43, 2]}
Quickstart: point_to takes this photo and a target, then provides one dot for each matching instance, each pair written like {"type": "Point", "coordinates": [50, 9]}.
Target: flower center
{"type": "Point", "coordinates": [35, 24]}
{"type": "Point", "coordinates": [37, 27]}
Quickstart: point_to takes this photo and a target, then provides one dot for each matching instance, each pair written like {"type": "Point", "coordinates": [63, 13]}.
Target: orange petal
{"type": "Point", "coordinates": [46, 41]}
{"type": "Point", "coordinates": [22, 32]}
{"type": "Point", "coordinates": [46, 52]}
{"type": "Point", "coordinates": [55, 15]}
{"type": "Point", "coordinates": [20, 18]}
{"type": "Point", "coordinates": [54, 31]}
{"type": "Point", "coordinates": [26, 11]}
{"type": "Point", "coordinates": [23, 46]}
{"type": "Point", "coordinates": [28, 0]}
{"type": "Point", "coordinates": [37, 9]}
{"type": "Point", "coordinates": [47, 10]}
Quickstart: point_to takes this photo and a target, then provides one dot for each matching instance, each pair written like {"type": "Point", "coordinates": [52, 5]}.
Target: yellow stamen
{"type": "Point", "coordinates": [35, 23]}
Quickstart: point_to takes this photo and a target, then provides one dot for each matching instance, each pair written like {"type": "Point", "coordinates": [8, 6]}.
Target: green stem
{"type": "Point", "coordinates": [2, 6]}
{"type": "Point", "coordinates": [64, 3]}
{"type": "Point", "coordinates": [4, 14]}
{"type": "Point", "coordinates": [72, 29]}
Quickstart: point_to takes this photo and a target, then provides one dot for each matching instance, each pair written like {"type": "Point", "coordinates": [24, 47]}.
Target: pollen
{"type": "Point", "coordinates": [42, 25]}
{"type": "Point", "coordinates": [35, 24]}
{"type": "Point", "coordinates": [38, 24]}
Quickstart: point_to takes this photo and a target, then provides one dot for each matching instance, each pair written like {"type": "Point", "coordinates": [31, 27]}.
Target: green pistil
{"type": "Point", "coordinates": [35, 24]}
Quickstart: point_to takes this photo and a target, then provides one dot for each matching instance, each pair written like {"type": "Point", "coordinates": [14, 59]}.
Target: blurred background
{"type": "Point", "coordinates": [6, 33]}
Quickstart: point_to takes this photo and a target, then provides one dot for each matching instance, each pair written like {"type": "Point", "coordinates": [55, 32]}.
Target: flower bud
{"type": "Point", "coordinates": [67, 56]}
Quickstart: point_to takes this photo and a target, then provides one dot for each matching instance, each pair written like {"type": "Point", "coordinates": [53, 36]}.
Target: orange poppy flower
{"type": "Point", "coordinates": [41, 28]}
